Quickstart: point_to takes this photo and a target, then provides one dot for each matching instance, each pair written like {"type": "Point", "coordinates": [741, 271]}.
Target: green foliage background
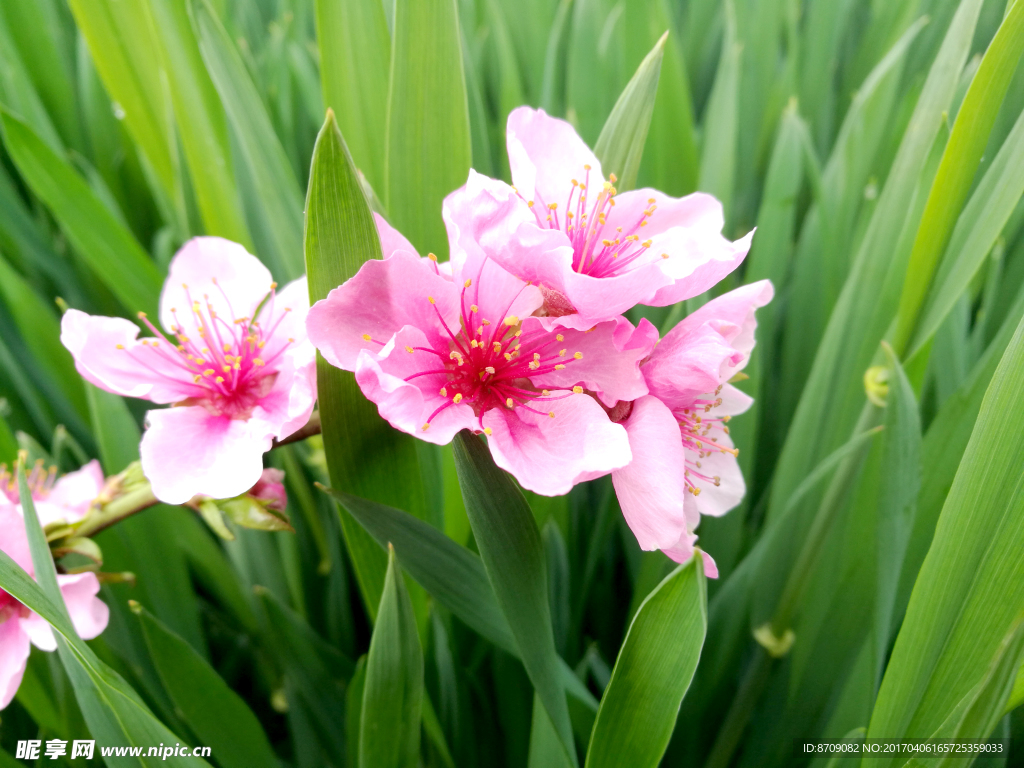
{"type": "Point", "coordinates": [871, 580]}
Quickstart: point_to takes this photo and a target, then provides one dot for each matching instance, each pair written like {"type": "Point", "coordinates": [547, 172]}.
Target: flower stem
{"type": "Point", "coordinates": [116, 510]}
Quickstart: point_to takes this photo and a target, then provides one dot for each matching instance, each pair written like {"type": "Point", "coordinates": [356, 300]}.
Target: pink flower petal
{"type": "Point", "coordinates": [610, 362]}
{"type": "Point", "coordinates": [188, 451]}
{"type": "Point", "coordinates": [732, 314]}
{"type": "Point", "coordinates": [108, 354]}
{"type": "Point", "coordinates": [545, 155]}
{"type": "Point", "coordinates": [378, 301]}
{"type": "Point", "coordinates": [89, 614]}
{"type": "Point", "coordinates": [14, 650]}
{"type": "Point", "coordinates": [407, 405]}
{"type": "Point", "coordinates": [39, 632]}
{"type": "Point", "coordinates": [688, 231]}
{"type": "Point", "coordinates": [683, 551]}
{"type": "Point", "coordinates": [391, 240]}
{"type": "Point", "coordinates": [74, 492]}
{"type": "Point", "coordinates": [13, 540]}
{"type": "Point", "coordinates": [548, 456]}
{"type": "Point", "coordinates": [717, 500]}
{"type": "Point", "coordinates": [215, 271]}
{"type": "Point", "coordinates": [652, 488]}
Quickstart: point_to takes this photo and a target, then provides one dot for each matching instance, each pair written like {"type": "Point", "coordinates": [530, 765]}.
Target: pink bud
{"type": "Point", "coordinates": [270, 490]}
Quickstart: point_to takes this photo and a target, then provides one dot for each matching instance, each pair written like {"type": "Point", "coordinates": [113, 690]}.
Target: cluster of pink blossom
{"type": "Point", "coordinates": [521, 335]}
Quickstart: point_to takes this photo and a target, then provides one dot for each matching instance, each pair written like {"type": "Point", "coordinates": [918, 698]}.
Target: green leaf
{"type": "Point", "coordinates": [983, 219]}
{"type": "Point", "coordinates": [122, 41]}
{"type": "Point", "coordinates": [721, 122]}
{"type": "Point", "coordinates": [218, 716]}
{"type": "Point", "coordinates": [513, 556]}
{"type": "Point", "coordinates": [652, 673]}
{"type": "Point", "coordinates": [967, 142]}
{"type": "Point", "coordinates": [41, 331]}
{"type": "Point", "coordinates": [364, 454]}
{"type": "Point", "coordinates": [545, 747]}
{"type": "Point", "coordinates": [428, 141]}
{"type": "Point", "coordinates": [201, 123]}
{"type": "Point", "coordinates": [621, 143]}
{"type": "Point", "coordinates": [670, 162]}
{"type": "Point", "coordinates": [389, 728]}
{"type": "Point", "coordinates": [274, 185]}
{"type": "Point", "coordinates": [451, 573]}
{"type": "Point", "coordinates": [969, 594]}
{"type": "Point", "coordinates": [117, 434]}
{"type": "Point", "coordinates": [114, 713]}
{"type": "Point", "coordinates": [102, 242]}
{"type": "Point", "coordinates": [897, 496]}
{"type": "Point", "coordinates": [355, 59]}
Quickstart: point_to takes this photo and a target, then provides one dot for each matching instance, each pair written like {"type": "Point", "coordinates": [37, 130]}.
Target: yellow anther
{"type": "Point", "coordinates": [120, 346]}
{"type": "Point", "coordinates": [467, 283]}
{"type": "Point", "coordinates": [559, 367]}
{"type": "Point", "coordinates": [551, 414]}
{"type": "Point", "coordinates": [209, 372]}
{"type": "Point", "coordinates": [457, 399]}
{"type": "Point", "coordinates": [225, 368]}
{"type": "Point", "coordinates": [545, 392]}
{"type": "Point", "coordinates": [511, 320]}
{"type": "Point", "coordinates": [552, 206]}
{"type": "Point", "coordinates": [444, 392]}
{"type": "Point", "coordinates": [366, 337]}
{"type": "Point", "coordinates": [489, 370]}
{"type": "Point", "coordinates": [257, 361]}
{"type": "Point", "coordinates": [664, 255]}
{"type": "Point", "coordinates": [426, 426]}
{"type": "Point", "coordinates": [474, 308]}
{"type": "Point", "coordinates": [143, 314]}
{"type": "Point", "coordinates": [561, 352]}
{"type": "Point", "coordinates": [196, 378]}
{"type": "Point", "coordinates": [488, 430]}
{"type": "Point", "coordinates": [586, 167]}
{"type": "Point", "coordinates": [409, 349]}
{"type": "Point", "coordinates": [432, 257]}
{"type": "Point", "coordinates": [646, 243]}
{"type": "Point", "coordinates": [578, 389]}
{"type": "Point", "coordinates": [508, 402]}
{"type": "Point", "coordinates": [430, 299]}
{"type": "Point", "coordinates": [219, 379]}
{"type": "Point", "coordinates": [575, 183]}
{"type": "Point", "coordinates": [560, 337]}
{"type": "Point", "coordinates": [530, 204]}
{"type": "Point", "coordinates": [578, 355]}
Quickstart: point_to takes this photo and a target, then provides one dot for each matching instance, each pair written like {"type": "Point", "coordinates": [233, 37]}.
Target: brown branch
{"type": "Point", "coordinates": [312, 428]}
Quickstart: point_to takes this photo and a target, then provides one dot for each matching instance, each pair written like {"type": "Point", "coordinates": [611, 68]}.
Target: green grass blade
{"type": "Point", "coordinates": [389, 727]}
{"type": "Point", "coordinates": [721, 121]}
{"type": "Point", "coordinates": [983, 219]}
{"type": "Point", "coordinates": [218, 716]}
{"type": "Point", "coordinates": [274, 185]}
{"type": "Point", "coordinates": [201, 123]}
{"type": "Point", "coordinates": [969, 594]}
{"type": "Point", "coordinates": [363, 452]}
{"type": "Point", "coordinates": [652, 673]}
{"type": "Point", "coordinates": [967, 142]}
{"type": "Point", "coordinates": [355, 59]}
{"type": "Point", "coordinates": [428, 141]}
{"type": "Point", "coordinates": [513, 556]}
{"type": "Point", "coordinates": [621, 143]}
{"type": "Point", "coordinates": [122, 41]}
{"type": "Point", "coordinates": [106, 246]}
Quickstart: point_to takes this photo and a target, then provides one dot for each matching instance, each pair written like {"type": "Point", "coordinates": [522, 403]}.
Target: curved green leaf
{"type": "Point", "coordinates": [652, 673]}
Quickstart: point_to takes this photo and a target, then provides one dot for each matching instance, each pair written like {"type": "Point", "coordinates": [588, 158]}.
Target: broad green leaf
{"type": "Point", "coordinates": [428, 141]}
{"type": "Point", "coordinates": [274, 185]}
{"type": "Point", "coordinates": [553, 85]}
{"type": "Point", "coordinates": [354, 709]}
{"type": "Point", "coordinates": [218, 716]}
{"type": "Point", "coordinates": [8, 443]}
{"type": "Point", "coordinates": [103, 243]}
{"type": "Point", "coordinates": [513, 556]}
{"type": "Point", "coordinates": [41, 332]}
{"type": "Point", "coordinates": [355, 60]}
{"type": "Point", "coordinates": [201, 123]}
{"type": "Point", "coordinates": [967, 142]}
{"type": "Point", "coordinates": [364, 454]}
{"type": "Point", "coordinates": [451, 573]}
{"type": "Point", "coordinates": [114, 713]}
{"type": "Point", "coordinates": [990, 207]}
{"type": "Point", "coordinates": [17, 91]}
{"type": "Point", "coordinates": [721, 121]}
{"type": "Point", "coordinates": [652, 672]}
{"type": "Point", "coordinates": [621, 143]}
{"type": "Point", "coordinates": [969, 594]}
{"type": "Point", "coordinates": [117, 434]}
{"type": "Point", "coordinates": [670, 161]}
{"type": "Point", "coordinates": [545, 747]}
{"type": "Point", "coordinates": [389, 727]}
{"type": "Point", "coordinates": [123, 43]}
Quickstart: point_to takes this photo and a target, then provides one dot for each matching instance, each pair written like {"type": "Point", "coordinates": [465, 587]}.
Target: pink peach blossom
{"type": "Point", "coordinates": [19, 626]}
{"type": "Point", "coordinates": [239, 370]}
{"type": "Point", "coordinates": [439, 353]}
{"type": "Point", "coordinates": [684, 463]}
{"type": "Point", "coordinates": [67, 498]}
{"type": "Point", "coordinates": [593, 252]}
{"type": "Point", "coordinates": [270, 490]}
